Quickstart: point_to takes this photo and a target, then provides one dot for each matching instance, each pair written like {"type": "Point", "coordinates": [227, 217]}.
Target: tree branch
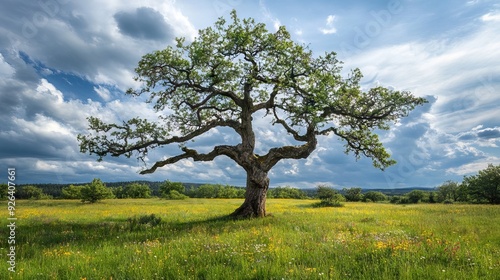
{"type": "Point", "coordinates": [229, 151]}
{"type": "Point", "coordinates": [289, 152]}
{"type": "Point", "coordinates": [101, 145]}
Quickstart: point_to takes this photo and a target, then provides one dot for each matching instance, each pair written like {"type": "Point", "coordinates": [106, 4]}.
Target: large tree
{"type": "Point", "coordinates": [234, 71]}
{"type": "Point", "coordinates": [485, 186]}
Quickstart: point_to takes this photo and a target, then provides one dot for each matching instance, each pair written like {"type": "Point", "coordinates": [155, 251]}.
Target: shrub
{"type": "Point", "coordinates": [448, 191]}
{"type": "Point", "coordinates": [415, 196]}
{"type": "Point", "coordinates": [353, 194]}
{"type": "Point", "coordinates": [72, 192]}
{"type": "Point", "coordinates": [399, 200]}
{"type": "Point", "coordinates": [168, 186]}
{"type": "Point", "coordinates": [95, 191]}
{"type": "Point", "coordinates": [395, 199]}
{"type": "Point", "coordinates": [136, 190]}
{"type": "Point", "coordinates": [206, 191]}
{"type": "Point", "coordinates": [329, 197]}
{"type": "Point", "coordinates": [32, 192]}
{"type": "Point", "coordinates": [4, 191]}
{"type": "Point", "coordinates": [373, 196]}
{"type": "Point", "coordinates": [174, 195]}
{"type": "Point", "coordinates": [227, 192]}
{"type": "Point", "coordinates": [118, 192]}
{"type": "Point", "coordinates": [286, 192]}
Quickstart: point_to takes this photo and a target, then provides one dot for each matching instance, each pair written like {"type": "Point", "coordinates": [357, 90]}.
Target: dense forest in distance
{"type": "Point", "coordinates": [481, 188]}
{"type": "Point", "coordinates": [56, 189]}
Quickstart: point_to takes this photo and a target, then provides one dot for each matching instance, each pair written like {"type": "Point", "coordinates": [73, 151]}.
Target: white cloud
{"type": "Point", "coordinates": [89, 43]}
{"type": "Point", "coordinates": [40, 122]}
{"type": "Point", "coordinates": [461, 74]}
{"type": "Point", "coordinates": [48, 89]}
{"type": "Point", "coordinates": [491, 17]}
{"type": "Point", "coordinates": [330, 29]}
{"type": "Point", "coordinates": [43, 126]}
{"type": "Point", "coordinates": [6, 70]}
{"type": "Point", "coordinates": [473, 167]}
{"type": "Point", "coordinates": [103, 92]}
{"type": "Point", "coordinates": [268, 15]}
{"type": "Point", "coordinates": [41, 165]}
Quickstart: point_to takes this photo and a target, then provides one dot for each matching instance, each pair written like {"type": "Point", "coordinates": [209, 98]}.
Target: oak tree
{"type": "Point", "coordinates": [232, 72]}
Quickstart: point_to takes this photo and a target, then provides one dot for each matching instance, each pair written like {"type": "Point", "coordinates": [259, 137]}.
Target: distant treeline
{"type": "Point", "coordinates": [55, 190]}
{"type": "Point", "coordinates": [481, 188]}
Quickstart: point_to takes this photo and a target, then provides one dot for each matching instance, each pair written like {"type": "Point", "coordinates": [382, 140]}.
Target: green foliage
{"type": "Point", "coordinates": [485, 186]}
{"type": "Point", "coordinates": [174, 195]}
{"type": "Point", "coordinates": [416, 196]}
{"type": "Point", "coordinates": [118, 192]}
{"type": "Point", "coordinates": [329, 196]}
{"type": "Point", "coordinates": [286, 192]}
{"type": "Point", "coordinates": [31, 192]}
{"type": "Point", "coordinates": [228, 192]}
{"type": "Point", "coordinates": [4, 191]}
{"type": "Point", "coordinates": [133, 190]}
{"type": "Point", "coordinates": [72, 192]}
{"type": "Point", "coordinates": [396, 199]}
{"type": "Point", "coordinates": [374, 196]}
{"type": "Point", "coordinates": [353, 194]}
{"type": "Point", "coordinates": [168, 186]}
{"type": "Point", "coordinates": [432, 197]}
{"type": "Point", "coordinates": [463, 194]}
{"type": "Point", "coordinates": [136, 190]}
{"type": "Point", "coordinates": [234, 70]}
{"type": "Point", "coordinates": [207, 191]}
{"type": "Point", "coordinates": [448, 191]}
{"type": "Point", "coordinates": [95, 191]}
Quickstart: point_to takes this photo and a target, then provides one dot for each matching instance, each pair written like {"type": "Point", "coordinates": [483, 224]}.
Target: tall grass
{"type": "Point", "coordinates": [63, 239]}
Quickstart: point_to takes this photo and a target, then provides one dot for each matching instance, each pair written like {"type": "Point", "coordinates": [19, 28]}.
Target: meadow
{"type": "Point", "coordinates": [66, 239]}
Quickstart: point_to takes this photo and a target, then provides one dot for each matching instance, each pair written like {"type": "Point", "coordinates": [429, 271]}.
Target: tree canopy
{"type": "Point", "coordinates": [231, 72]}
{"type": "Point", "coordinates": [485, 186]}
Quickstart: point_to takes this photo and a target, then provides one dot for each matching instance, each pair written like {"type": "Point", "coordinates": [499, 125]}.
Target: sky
{"type": "Point", "coordinates": [62, 61]}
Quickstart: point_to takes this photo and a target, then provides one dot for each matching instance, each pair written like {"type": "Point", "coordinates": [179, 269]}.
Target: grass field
{"type": "Point", "coordinates": [62, 239]}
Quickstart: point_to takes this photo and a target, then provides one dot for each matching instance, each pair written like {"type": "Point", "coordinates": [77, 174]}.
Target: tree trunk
{"type": "Point", "coordinates": [254, 205]}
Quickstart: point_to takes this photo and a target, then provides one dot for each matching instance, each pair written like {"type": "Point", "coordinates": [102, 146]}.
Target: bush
{"type": "Point", "coordinates": [353, 194]}
{"type": "Point", "coordinates": [4, 191]}
{"type": "Point", "coordinates": [227, 192]}
{"type": "Point", "coordinates": [118, 192]}
{"type": "Point", "coordinates": [206, 191]}
{"type": "Point", "coordinates": [399, 200]}
{"type": "Point", "coordinates": [286, 192]}
{"type": "Point", "coordinates": [416, 196]}
{"type": "Point", "coordinates": [174, 195]}
{"type": "Point", "coordinates": [373, 196]}
{"type": "Point", "coordinates": [32, 192]}
{"type": "Point", "coordinates": [329, 197]}
{"type": "Point", "coordinates": [168, 186]}
{"type": "Point", "coordinates": [447, 191]}
{"type": "Point", "coordinates": [72, 192]}
{"type": "Point", "coordinates": [136, 190]}
{"type": "Point", "coordinates": [95, 191]}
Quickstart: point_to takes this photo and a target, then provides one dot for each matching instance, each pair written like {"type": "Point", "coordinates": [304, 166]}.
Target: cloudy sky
{"type": "Point", "coordinates": [64, 60]}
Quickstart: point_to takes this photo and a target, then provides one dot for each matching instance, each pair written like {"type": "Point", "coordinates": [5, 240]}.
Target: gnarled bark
{"type": "Point", "coordinates": [255, 196]}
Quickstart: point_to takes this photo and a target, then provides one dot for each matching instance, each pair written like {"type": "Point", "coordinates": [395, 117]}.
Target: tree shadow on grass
{"type": "Point", "coordinates": [321, 204]}
{"type": "Point", "coordinates": [47, 234]}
